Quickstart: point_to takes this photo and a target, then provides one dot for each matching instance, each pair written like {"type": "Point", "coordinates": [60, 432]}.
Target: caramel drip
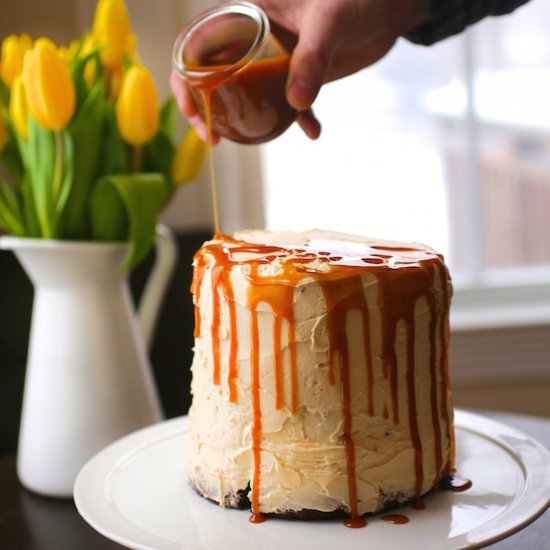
{"type": "Point", "coordinates": [256, 411]}
{"type": "Point", "coordinates": [368, 360]}
{"type": "Point", "coordinates": [389, 359]}
{"type": "Point", "coordinates": [277, 355]}
{"type": "Point", "coordinates": [227, 289]}
{"type": "Point", "coordinates": [207, 96]}
{"type": "Point", "coordinates": [215, 326]}
{"type": "Point", "coordinates": [438, 451]}
{"type": "Point", "coordinates": [413, 421]}
{"type": "Point", "coordinates": [342, 287]}
{"type": "Point", "coordinates": [198, 276]}
{"type": "Point", "coordinates": [444, 361]}
{"type": "Point", "coordinates": [456, 484]}
{"type": "Point", "coordinates": [396, 519]}
{"type": "Point", "coordinates": [256, 518]}
{"type": "Point", "coordinates": [397, 300]}
{"type": "Point", "coordinates": [293, 367]}
{"type": "Point", "coordinates": [355, 522]}
{"type": "Point", "coordinates": [341, 296]}
{"type": "Point", "coordinates": [280, 299]}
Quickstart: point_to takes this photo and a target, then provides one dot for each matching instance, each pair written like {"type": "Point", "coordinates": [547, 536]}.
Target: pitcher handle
{"type": "Point", "coordinates": [153, 295]}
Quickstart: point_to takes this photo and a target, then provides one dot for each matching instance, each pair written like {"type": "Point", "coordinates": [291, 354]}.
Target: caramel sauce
{"type": "Point", "coordinates": [355, 522]}
{"type": "Point", "coordinates": [433, 388]}
{"type": "Point", "coordinates": [277, 354]}
{"type": "Point", "coordinates": [455, 484]}
{"type": "Point", "coordinates": [227, 290]}
{"type": "Point", "coordinates": [215, 325]}
{"type": "Point", "coordinates": [256, 518]}
{"type": "Point", "coordinates": [341, 296]}
{"type": "Point", "coordinates": [256, 410]}
{"type": "Point", "coordinates": [246, 104]}
{"type": "Point", "coordinates": [444, 336]}
{"type": "Point", "coordinates": [342, 287]}
{"type": "Point", "coordinates": [418, 505]}
{"type": "Point", "coordinates": [207, 96]}
{"type": "Point", "coordinates": [396, 519]}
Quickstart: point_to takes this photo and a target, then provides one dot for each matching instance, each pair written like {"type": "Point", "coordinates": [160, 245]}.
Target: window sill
{"type": "Point", "coordinates": [501, 299]}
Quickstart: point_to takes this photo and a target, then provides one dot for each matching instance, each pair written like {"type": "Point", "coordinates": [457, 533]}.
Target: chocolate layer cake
{"type": "Point", "coordinates": [320, 382]}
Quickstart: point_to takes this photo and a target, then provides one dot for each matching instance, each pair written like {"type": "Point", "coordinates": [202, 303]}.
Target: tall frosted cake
{"type": "Point", "coordinates": [320, 384]}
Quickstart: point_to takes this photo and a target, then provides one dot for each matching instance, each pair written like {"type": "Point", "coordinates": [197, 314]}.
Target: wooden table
{"type": "Point", "coordinates": [31, 522]}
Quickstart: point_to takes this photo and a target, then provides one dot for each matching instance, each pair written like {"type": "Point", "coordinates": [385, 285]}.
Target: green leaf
{"type": "Point", "coordinates": [67, 180]}
{"type": "Point", "coordinates": [11, 156]}
{"type": "Point", "coordinates": [41, 162]}
{"type": "Point", "coordinates": [115, 154]}
{"type": "Point", "coordinates": [78, 68]}
{"type": "Point", "coordinates": [126, 207]}
{"type": "Point", "coordinates": [30, 219]}
{"type": "Point", "coordinates": [10, 210]}
{"type": "Point", "coordinates": [168, 116]}
{"type": "Point", "coordinates": [86, 131]}
{"type": "Point", "coordinates": [4, 93]}
{"type": "Point", "coordinates": [158, 155]}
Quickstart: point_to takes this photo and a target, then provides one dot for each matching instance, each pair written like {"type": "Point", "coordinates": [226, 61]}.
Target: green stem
{"type": "Point", "coordinates": [58, 170]}
{"type": "Point", "coordinates": [136, 160]}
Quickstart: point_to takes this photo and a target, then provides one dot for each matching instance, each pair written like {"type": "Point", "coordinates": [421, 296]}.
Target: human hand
{"type": "Point", "coordinates": [330, 39]}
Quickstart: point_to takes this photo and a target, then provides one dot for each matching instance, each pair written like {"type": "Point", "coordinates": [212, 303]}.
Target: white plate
{"type": "Point", "coordinates": [135, 493]}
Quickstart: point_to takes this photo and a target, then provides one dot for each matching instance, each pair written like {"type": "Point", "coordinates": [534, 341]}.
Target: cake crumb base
{"type": "Point", "coordinates": [240, 501]}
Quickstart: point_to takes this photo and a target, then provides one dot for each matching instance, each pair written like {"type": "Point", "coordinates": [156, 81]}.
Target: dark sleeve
{"type": "Point", "coordinates": [453, 16]}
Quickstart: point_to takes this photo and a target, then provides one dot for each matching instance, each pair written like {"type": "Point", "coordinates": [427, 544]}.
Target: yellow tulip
{"type": "Point", "coordinates": [115, 83]}
{"type": "Point", "coordinates": [137, 107]}
{"type": "Point", "coordinates": [111, 30]}
{"type": "Point", "coordinates": [50, 89]}
{"type": "Point", "coordinates": [89, 71]}
{"type": "Point", "coordinates": [19, 108]}
{"type": "Point", "coordinates": [188, 158]}
{"type": "Point", "coordinates": [130, 49]}
{"type": "Point", "coordinates": [67, 52]}
{"type": "Point", "coordinates": [13, 51]}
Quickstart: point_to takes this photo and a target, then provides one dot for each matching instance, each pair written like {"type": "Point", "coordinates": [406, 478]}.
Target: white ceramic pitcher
{"type": "Point", "coordinates": [88, 379]}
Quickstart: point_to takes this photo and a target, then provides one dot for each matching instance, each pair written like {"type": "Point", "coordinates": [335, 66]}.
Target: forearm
{"type": "Point", "coordinates": [449, 17]}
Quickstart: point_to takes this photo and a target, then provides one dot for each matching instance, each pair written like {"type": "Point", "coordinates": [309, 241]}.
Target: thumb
{"type": "Point", "coordinates": [320, 32]}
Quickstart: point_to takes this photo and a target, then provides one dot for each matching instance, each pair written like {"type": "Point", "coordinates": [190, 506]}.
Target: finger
{"type": "Point", "coordinates": [188, 108]}
{"type": "Point", "coordinates": [183, 98]}
{"type": "Point", "coordinates": [322, 29]}
{"type": "Point", "coordinates": [309, 124]}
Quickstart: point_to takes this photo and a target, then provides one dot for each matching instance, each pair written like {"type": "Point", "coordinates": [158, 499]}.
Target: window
{"type": "Point", "coordinates": [447, 145]}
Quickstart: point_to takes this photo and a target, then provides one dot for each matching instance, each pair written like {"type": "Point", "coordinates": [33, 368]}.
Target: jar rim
{"type": "Point", "coordinates": [254, 12]}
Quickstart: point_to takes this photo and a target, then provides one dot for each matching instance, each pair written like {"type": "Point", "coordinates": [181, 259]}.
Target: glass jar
{"type": "Point", "coordinates": [231, 62]}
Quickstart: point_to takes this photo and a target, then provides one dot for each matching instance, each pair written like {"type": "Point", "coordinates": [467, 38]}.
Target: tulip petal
{"type": "Point", "coordinates": [137, 107]}
{"type": "Point", "coordinates": [50, 88]}
{"type": "Point", "coordinates": [18, 108]}
{"type": "Point", "coordinates": [111, 28]}
{"type": "Point", "coordinates": [189, 157]}
{"type": "Point", "coordinates": [13, 51]}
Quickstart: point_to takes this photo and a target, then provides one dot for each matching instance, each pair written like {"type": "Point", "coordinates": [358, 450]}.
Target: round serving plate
{"type": "Point", "coordinates": [135, 493]}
